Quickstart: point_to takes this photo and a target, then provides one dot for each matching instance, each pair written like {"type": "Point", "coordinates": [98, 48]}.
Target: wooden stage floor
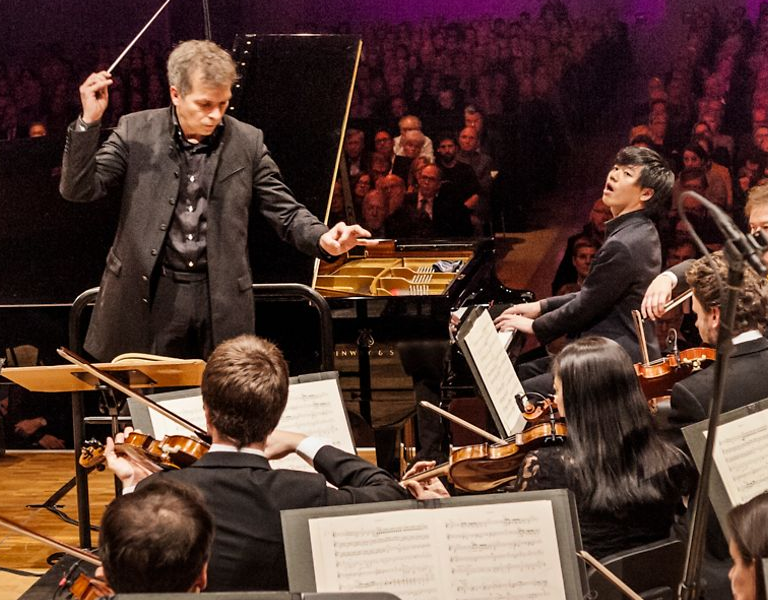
{"type": "Point", "coordinates": [29, 477]}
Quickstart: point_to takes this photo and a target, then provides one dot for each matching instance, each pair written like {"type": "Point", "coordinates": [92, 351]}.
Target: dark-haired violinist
{"type": "Point", "coordinates": [245, 389]}
{"type": "Point", "coordinates": [627, 481]}
{"type": "Point", "coordinates": [156, 540]}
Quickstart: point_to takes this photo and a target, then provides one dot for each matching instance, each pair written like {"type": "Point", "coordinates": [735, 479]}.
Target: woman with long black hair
{"type": "Point", "coordinates": [627, 481]}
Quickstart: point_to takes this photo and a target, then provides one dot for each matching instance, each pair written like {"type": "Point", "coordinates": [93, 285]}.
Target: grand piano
{"type": "Point", "coordinates": [297, 88]}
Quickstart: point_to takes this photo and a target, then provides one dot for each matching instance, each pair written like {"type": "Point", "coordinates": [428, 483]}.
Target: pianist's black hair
{"type": "Point", "coordinates": [655, 175]}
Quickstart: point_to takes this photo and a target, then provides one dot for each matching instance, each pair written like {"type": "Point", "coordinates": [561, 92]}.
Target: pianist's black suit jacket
{"type": "Point", "coordinates": [246, 496]}
{"type": "Point", "coordinates": [621, 271]}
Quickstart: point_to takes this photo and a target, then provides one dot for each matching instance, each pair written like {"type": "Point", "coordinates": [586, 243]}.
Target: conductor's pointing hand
{"type": "Point", "coordinates": [342, 238]}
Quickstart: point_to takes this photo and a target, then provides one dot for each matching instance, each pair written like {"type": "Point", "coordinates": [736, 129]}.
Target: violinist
{"type": "Point", "coordinates": [745, 379]}
{"type": "Point", "coordinates": [245, 389]}
{"type": "Point", "coordinates": [627, 481]}
{"type": "Point", "coordinates": [673, 279]}
{"type": "Point", "coordinates": [156, 540]}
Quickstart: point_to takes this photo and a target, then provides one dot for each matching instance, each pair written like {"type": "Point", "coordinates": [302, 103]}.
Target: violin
{"type": "Point", "coordinates": [486, 466]}
{"type": "Point", "coordinates": [89, 588]}
{"type": "Point", "coordinates": [83, 587]}
{"type": "Point", "coordinates": [657, 377]}
{"type": "Point", "coordinates": [172, 452]}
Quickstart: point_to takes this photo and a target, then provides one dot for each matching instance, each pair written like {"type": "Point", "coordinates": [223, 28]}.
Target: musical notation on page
{"type": "Point", "coordinates": [456, 552]}
{"type": "Point", "coordinates": [496, 371]}
{"type": "Point", "coordinates": [315, 408]}
{"type": "Point", "coordinates": [741, 456]}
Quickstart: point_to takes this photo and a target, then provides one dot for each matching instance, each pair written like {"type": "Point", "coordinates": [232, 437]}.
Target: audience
{"type": "Point", "coordinates": [433, 211]}
{"type": "Point", "coordinates": [374, 212]}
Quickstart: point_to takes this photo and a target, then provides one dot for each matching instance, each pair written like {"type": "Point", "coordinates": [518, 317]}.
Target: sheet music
{"type": "Point", "coordinates": [740, 453]}
{"type": "Point", "coordinates": [189, 407]}
{"type": "Point", "coordinates": [496, 371]}
{"type": "Point", "coordinates": [493, 551]}
{"type": "Point", "coordinates": [314, 408]}
{"type": "Point", "coordinates": [504, 336]}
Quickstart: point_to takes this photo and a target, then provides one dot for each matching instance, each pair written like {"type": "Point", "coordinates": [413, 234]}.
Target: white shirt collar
{"type": "Point", "coordinates": [219, 447]}
{"type": "Point", "coordinates": [747, 336]}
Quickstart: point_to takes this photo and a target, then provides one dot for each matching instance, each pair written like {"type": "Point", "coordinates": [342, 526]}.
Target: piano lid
{"type": "Point", "coordinates": [297, 89]}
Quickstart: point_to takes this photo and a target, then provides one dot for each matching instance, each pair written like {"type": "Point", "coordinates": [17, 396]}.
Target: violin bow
{"type": "Point", "coordinates": [442, 469]}
{"type": "Point", "coordinates": [136, 39]}
{"type": "Point", "coordinates": [444, 413]}
{"type": "Point", "coordinates": [605, 572]}
{"type": "Point", "coordinates": [121, 387]}
{"type": "Point", "coordinates": [679, 300]}
{"type": "Point", "coordinates": [641, 336]}
{"type": "Point", "coordinates": [79, 553]}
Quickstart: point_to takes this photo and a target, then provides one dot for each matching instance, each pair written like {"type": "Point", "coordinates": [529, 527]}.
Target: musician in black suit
{"type": "Point", "coordinates": [672, 281]}
{"type": "Point", "coordinates": [177, 279]}
{"type": "Point", "coordinates": [157, 540]}
{"type": "Point", "coordinates": [745, 377]}
{"type": "Point", "coordinates": [245, 389]}
{"type": "Point", "coordinates": [621, 271]}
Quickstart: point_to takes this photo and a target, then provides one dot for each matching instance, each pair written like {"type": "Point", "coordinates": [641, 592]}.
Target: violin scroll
{"type": "Point", "coordinates": [542, 410]}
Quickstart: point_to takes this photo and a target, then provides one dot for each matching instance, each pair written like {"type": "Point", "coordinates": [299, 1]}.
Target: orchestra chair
{"type": "Point", "coordinates": [25, 355]}
{"type": "Point", "coordinates": [654, 571]}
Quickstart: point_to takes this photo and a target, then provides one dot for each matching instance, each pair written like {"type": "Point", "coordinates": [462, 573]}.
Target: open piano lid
{"type": "Point", "coordinates": [297, 89]}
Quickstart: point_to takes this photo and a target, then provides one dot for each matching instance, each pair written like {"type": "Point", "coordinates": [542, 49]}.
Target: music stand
{"type": "Point", "coordinates": [135, 373]}
{"type": "Point", "coordinates": [564, 537]}
{"type": "Point", "coordinates": [492, 370]}
{"type": "Point", "coordinates": [695, 437]}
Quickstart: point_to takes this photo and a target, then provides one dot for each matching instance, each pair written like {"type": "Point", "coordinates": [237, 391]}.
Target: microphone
{"type": "Point", "coordinates": [748, 246]}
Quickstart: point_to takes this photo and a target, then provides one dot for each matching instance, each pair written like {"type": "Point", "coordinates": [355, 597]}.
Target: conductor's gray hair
{"type": "Point", "coordinates": [214, 63]}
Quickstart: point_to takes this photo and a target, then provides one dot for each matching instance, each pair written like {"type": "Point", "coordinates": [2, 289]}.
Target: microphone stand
{"type": "Point", "coordinates": [690, 586]}
{"type": "Point", "coordinates": [738, 251]}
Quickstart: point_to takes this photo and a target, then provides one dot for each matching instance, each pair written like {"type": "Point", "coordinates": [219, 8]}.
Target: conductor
{"type": "Point", "coordinates": [177, 279]}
